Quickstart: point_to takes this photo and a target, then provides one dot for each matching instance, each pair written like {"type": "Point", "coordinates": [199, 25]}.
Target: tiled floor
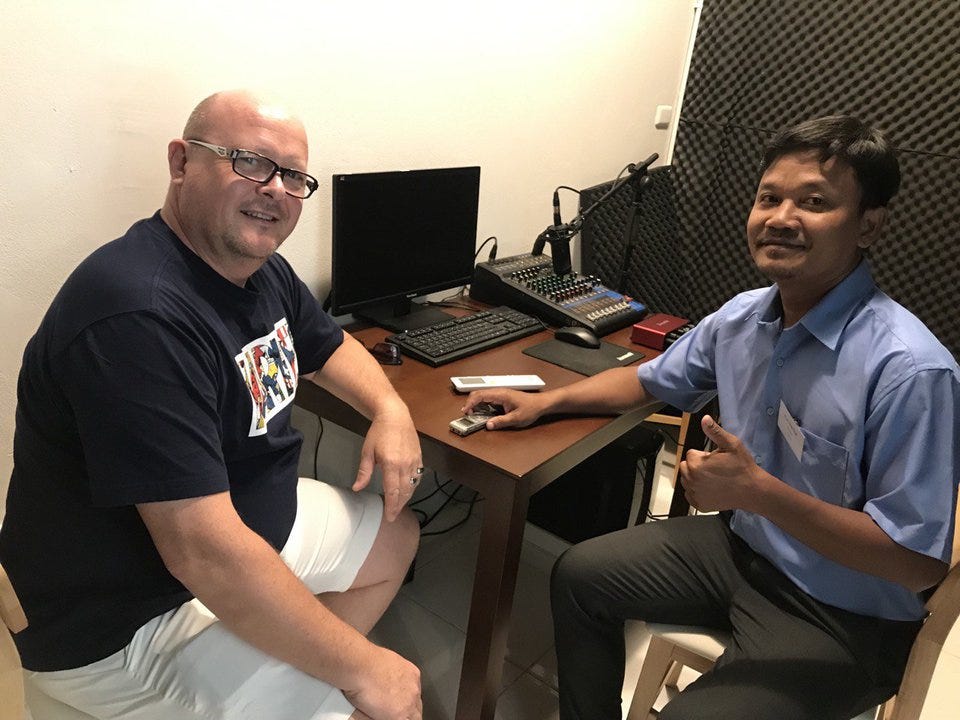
{"type": "Point", "coordinates": [426, 623]}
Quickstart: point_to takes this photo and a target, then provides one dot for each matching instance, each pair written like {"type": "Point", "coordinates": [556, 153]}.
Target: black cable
{"type": "Point", "coordinates": [453, 495]}
{"type": "Point", "coordinates": [641, 467]}
{"type": "Point", "coordinates": [663, 431]}
{"type": "Point", "coordinates": [565, 187]}
{"type": "Point", "coordinates": [493, 250]}
{"type": "Point", "coordinates": [421, 515]}
{"type": "Point", "coordinates": [643, 471]}
{"type": "Point", "coordinates": [457, 524]}
{"type": "Point", "coordinates": [423, 518]}
{"type": "Point", "coordinates": [450, 497]}
{"type": "Point", "coordinates": [439, 488]}
{"type": "Point", "coordinates": [617, 179]}
{"type": "Point", "coordinates": [446, 302]}
{"type": "Point", "coordinates": [436, 513]}
{"type": "Point", "coordinates": [573, 227]}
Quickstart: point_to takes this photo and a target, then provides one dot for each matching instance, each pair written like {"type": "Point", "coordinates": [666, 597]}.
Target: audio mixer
{"type": "Point", "coordinates": [528, 283]}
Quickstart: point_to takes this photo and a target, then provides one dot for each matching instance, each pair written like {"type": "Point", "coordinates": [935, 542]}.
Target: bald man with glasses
{"type": "Point", "coordinates": [170, 562]}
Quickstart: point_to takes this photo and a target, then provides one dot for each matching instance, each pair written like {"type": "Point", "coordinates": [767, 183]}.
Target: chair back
{"type": "Point", "coordinates": [11, 675]}
{"type": "Point", "coordinates": [699, 648]}
{"type": "Point", "coordinates": [944, 608]}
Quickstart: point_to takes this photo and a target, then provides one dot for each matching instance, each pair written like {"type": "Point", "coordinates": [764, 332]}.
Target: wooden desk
{"type": "Point", "coordinates": [506, 467]}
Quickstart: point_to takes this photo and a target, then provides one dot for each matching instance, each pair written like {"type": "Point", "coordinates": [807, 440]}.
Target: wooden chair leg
{"type": "Point", "coordinates": [886, 709]}
{"type": "Point", "coordinates": [656, 665]}
{"type": "Point", "coordinates": [673, 677]}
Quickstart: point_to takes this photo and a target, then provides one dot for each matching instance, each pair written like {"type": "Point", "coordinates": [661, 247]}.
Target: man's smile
{"type": "Point", "coordinates": [790, 244]}
{"type": "Point", "coordinates": [258, 215]}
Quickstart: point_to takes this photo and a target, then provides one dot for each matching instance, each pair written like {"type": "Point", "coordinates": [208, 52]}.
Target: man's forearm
{"type": "Point", "coordinates": [392, 442]}
{"type": "Point", "coordinates": [729, 478]}
{"type": "Point", "coordinates": [353, 375]}
{"type": "Point", "coordinates": [611, 391]}
{"type": "Point", "coordinates": [849, 537]}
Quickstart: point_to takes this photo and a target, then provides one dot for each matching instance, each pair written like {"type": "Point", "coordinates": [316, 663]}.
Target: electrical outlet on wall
{"type": "Point", "coordinates": [662, 118]}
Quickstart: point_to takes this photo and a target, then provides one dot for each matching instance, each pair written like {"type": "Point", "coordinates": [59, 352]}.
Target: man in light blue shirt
{"type": "Point", "coordinates": [836, 466]}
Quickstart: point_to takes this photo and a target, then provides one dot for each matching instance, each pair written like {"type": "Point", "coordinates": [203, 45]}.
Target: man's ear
{"type": "Point", "coordinates": [872, 221]}
{"type": "Point", "coordinates": [177, 160]}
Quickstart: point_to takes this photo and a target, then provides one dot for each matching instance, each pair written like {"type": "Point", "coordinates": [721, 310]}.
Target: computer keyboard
{"type": "Point", "coordinates": [461, 337]}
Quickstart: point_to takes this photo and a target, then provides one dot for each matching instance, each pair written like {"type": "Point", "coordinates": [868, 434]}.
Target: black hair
{"type": "Point", "coordinates": [865, 149]}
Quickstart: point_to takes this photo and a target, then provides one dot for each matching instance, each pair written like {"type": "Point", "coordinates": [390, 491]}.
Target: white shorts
{"type": "Point", "coordinates": [184, 664]}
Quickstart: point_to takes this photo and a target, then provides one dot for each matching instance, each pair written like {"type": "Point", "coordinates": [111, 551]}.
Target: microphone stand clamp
{"type": "Point", "coordinates": [558, 237]}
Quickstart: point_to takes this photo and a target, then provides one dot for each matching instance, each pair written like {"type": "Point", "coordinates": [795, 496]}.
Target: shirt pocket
{"type": "Point", "coordinates": [823, 468]}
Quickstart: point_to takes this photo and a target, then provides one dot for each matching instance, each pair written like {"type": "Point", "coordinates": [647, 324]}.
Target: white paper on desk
{"type": "Point", "coordinates": [791, 431]}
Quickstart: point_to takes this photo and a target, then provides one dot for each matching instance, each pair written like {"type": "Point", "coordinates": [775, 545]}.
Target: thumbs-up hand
{"type": "Point", "coordinates": [724, 478]}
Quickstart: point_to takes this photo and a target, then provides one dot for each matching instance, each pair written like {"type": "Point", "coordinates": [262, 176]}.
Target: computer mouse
{"type": "Point", "coordinates": [577, 335]}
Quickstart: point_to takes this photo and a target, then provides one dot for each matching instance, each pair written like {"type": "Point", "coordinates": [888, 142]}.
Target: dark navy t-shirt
{"type": "Point", "coordinates": [150, 378]}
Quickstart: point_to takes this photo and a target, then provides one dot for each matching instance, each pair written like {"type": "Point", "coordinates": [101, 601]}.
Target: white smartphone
{"type": "Point", "coordinates": [466, 384]}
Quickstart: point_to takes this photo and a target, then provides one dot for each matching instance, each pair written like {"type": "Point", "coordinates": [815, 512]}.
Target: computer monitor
{"type": "Point", "coordinates": [401, 235]}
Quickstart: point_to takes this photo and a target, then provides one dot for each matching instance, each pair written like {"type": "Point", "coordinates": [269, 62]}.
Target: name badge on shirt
{"type": "Point", "coordinates": [791, 431]}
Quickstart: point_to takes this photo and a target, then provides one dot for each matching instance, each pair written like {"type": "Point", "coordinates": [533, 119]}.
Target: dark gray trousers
{"type": "Point", "coordinates": [792, 657]}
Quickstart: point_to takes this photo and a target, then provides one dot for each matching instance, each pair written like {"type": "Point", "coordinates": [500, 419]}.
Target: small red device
{"type": "Point", "coordinates": [652, 331]}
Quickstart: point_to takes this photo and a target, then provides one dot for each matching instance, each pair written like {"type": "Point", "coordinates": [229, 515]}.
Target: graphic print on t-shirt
{"type": "Point", "coordinates": [269, 367]}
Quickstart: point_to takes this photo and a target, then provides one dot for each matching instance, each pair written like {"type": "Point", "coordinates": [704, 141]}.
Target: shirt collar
{"type": "Point", "coordinates": [825, 320]}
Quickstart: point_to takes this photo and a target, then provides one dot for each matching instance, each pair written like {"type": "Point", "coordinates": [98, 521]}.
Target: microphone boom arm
{"type": "Point", "coordinates": [560, 234]}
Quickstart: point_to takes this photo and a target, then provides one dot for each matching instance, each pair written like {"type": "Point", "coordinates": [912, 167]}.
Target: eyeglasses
{"type": "Point", "coordinates": [254, 166]}
{"type": "Point", "coordinates": [386, 353]}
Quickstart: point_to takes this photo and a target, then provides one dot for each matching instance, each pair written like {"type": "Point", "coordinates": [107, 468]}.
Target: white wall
{"type": "Point", "coordinates": [539, 93]}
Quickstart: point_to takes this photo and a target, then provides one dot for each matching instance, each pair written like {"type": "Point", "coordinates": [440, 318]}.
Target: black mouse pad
{"type": "Point", "coordinates": [586, 361]}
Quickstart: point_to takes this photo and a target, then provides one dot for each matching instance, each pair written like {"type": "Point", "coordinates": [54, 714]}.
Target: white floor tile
{"type": "Point", "coordinates": [443, 585]}
{"type": "Point", "coordinates": [545, 668]}
{"type": "Point", "coordinates": [636, 637]}
{"type": "Point", "coordinates": [434, 546]}
{"type": "Point", "coordinates": [528, 699]}
{"type": "Point", "coordinates": [531, 625]}
{"type": "Point", "coordinates": [551, 544]}
{"type": "Point", "coordinates": [436, 647]}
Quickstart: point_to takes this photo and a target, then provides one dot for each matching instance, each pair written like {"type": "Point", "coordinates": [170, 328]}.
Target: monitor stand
{"type": "Point", "coordinates": [403, 315]}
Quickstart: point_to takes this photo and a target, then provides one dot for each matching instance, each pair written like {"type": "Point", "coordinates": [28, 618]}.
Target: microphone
{"type": "Point", "coordinates": [551, 233]}
{"type": "Point", "coordinates": [642, 167]}
{"type": "Point", "coordinates": [560, 249]}
{"type": "Point", "coordinates": [559, 238]}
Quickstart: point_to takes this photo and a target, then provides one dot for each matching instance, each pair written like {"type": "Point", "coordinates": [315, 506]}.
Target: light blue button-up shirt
{"type": "Point", "coordinates": [877, 399]}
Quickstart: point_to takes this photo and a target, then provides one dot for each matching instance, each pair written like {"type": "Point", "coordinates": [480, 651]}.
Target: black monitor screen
{"type": "Point", "coordinates": [398, 235]}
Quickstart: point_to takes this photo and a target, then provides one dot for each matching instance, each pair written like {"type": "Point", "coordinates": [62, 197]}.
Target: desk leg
{"type": "Point", "coordinates": [498, 559]}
